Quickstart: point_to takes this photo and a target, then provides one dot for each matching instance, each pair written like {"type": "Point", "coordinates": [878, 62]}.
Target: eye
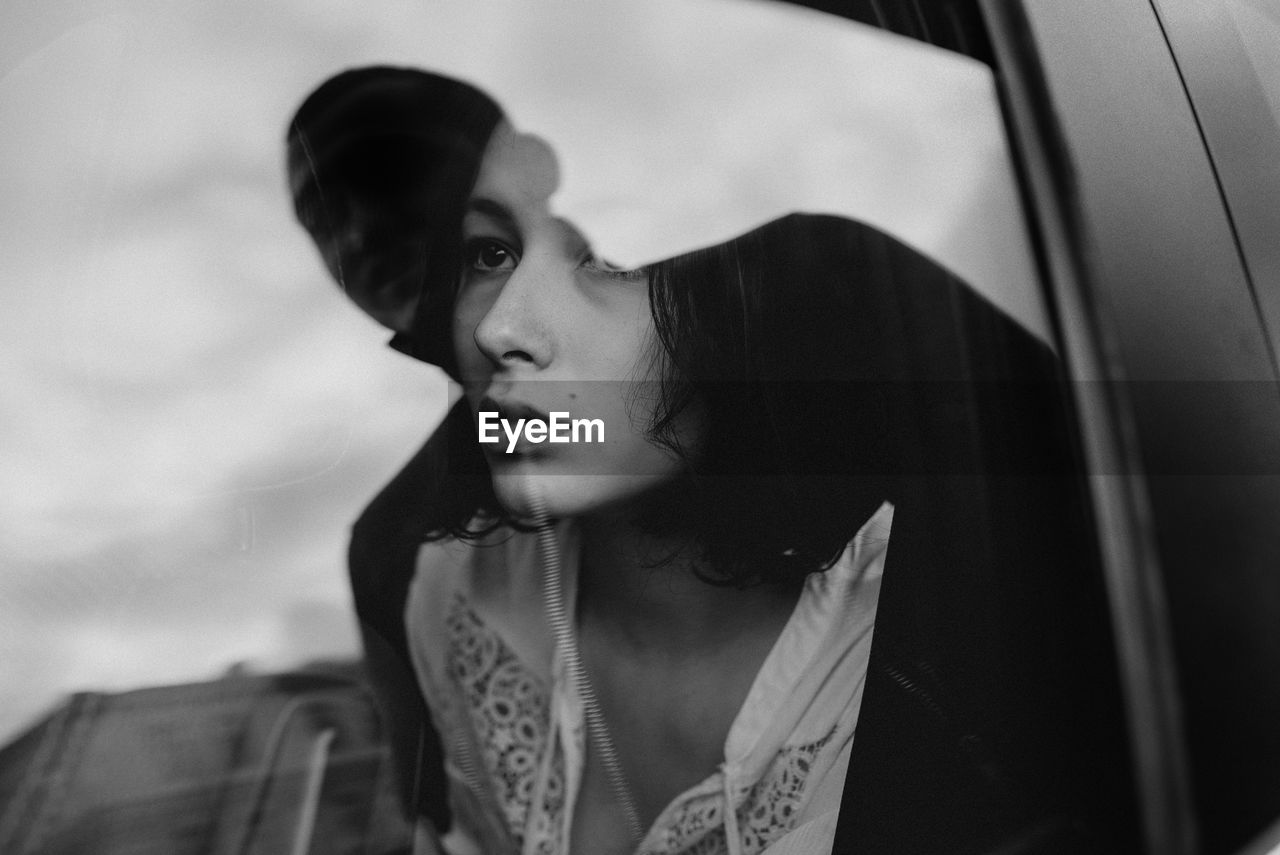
{"type": "Point", "coordinates": [486, 255]}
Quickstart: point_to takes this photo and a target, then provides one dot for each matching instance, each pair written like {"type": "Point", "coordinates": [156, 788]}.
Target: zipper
{"type": "Point", "coordinates": [913, 688]}
{"type": "Point", "coordinates": [970, 745]}
{"type": "Point", "coordinates": [567, 647]}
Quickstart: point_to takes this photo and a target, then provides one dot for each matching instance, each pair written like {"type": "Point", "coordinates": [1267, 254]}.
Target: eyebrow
{"type": "Point", "coordinates": [490, 208]}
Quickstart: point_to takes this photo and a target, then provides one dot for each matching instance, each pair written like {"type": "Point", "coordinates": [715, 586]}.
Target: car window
{"type": "Point", "coordinates": [204, 415]}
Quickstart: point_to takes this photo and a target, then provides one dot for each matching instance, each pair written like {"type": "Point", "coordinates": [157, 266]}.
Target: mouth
{"type": "Point", "coordinates": [510, 414]}
{"type": "Point", "coordinates": [509, 410]}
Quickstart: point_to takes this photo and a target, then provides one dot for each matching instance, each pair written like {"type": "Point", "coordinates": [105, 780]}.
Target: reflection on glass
{"type": "Point", "coordinates": [663, 640]}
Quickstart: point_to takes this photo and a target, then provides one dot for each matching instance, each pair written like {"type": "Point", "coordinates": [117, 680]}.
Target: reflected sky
{"type": "Point", "coordinates": [190, 412]}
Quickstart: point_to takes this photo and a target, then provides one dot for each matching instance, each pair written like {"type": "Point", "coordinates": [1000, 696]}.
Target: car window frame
{"type": "Point", "coordinates": [1120, 185]}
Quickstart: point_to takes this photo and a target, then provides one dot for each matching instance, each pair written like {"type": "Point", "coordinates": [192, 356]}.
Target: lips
{"type": "Point", "coordinates": [512, 412]}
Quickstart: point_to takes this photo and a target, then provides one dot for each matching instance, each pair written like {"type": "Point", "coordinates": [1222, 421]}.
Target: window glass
{"type": "Point", "coordinates": [816, 226]}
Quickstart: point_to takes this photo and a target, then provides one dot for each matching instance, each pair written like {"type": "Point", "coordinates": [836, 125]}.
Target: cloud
{"type": "Point", "coordinates": [190, 412]}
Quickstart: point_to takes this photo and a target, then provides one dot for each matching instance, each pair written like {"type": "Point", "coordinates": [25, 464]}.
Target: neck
{"type": "Point", "coordinates": [644, 591]}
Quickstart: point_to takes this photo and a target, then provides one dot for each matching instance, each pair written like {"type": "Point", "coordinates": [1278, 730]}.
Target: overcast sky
{"type": "Point", "coordinates": [190, 412]}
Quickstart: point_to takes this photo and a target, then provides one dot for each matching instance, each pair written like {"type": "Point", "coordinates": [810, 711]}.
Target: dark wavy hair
{"type": "Point", "coordinates": [825, 362]}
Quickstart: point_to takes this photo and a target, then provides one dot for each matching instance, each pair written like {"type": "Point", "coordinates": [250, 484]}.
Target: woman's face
{"type": "Point", "coordinates": [541, 326]}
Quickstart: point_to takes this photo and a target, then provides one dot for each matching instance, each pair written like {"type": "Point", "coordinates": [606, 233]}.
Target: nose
{"type": "Point", "coordinates": [514, 330]}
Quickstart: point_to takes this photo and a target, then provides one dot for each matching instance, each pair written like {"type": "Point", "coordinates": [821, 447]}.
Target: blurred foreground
{"type": "Point", "coordinates": [283, 763]}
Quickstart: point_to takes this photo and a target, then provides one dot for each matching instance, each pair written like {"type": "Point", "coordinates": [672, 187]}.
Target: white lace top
{"type": "Point", "coordinates": [512, 725]}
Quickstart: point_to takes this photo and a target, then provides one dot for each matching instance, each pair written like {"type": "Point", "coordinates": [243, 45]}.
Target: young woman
{"type": "Point", "coordinates": [660, 642]}
{"type": "Point", "coordinates": [663, 670]}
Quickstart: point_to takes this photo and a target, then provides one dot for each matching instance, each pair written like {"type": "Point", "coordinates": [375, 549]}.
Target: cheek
{"type": "Point", "coordinates": [472, 365]}
{"type": "Point", "coordinates": [619, 342]}
{"type": "Point", "coordinates": [628, 451]}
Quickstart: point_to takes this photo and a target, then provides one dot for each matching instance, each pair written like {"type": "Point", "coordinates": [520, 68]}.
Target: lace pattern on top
{"type": "Point", "coordinates": [766, 810]}
{"type": "Point", "coordinates": [547, 821]}
{"type": "Point", "coordinates": [509, 711]}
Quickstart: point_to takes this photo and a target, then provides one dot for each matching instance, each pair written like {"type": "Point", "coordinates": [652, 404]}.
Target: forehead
{"type": "Point", "coordinates": [518, 169]}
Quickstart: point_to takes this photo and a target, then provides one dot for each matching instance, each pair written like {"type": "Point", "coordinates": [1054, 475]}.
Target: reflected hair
{"type": "Point", "coordinates": [380, 160]}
